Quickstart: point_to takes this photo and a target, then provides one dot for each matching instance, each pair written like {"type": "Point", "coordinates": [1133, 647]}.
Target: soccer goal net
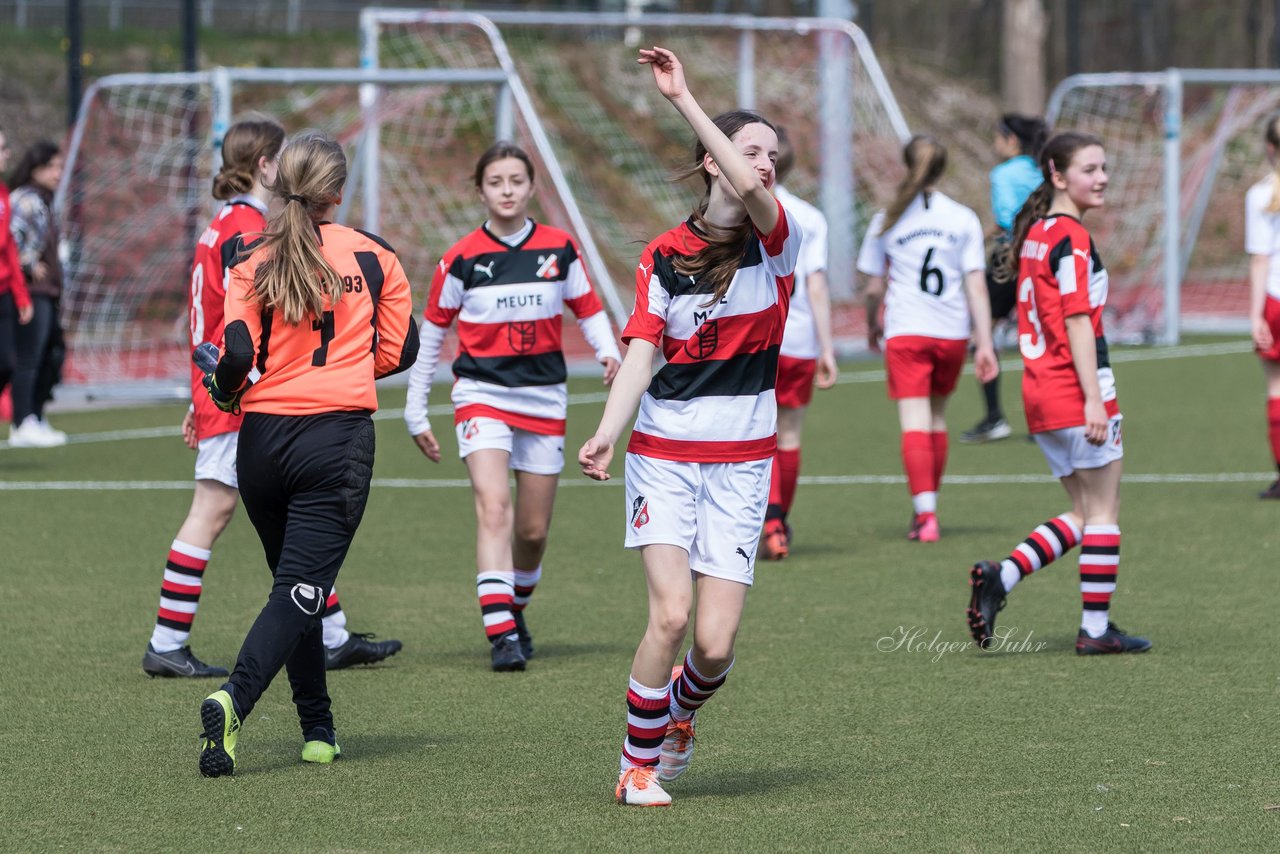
{"type": "Point", "coordinates": [1183, 147]}
{"type": "Point", "coordinates": [136, 191]}
{"type": "Point", "coordinates": [619, 143]}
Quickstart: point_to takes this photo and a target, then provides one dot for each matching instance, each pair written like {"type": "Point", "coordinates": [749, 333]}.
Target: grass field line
{"type": "Point", "coordinates": [1143, 355]}
{"type": "Point", "coordinates": [814, 480]}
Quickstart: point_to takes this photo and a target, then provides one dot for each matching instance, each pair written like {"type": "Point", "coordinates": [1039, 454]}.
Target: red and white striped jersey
{"type": "Point", "coordinates": [713, 401]}
{"type": "Point", "coordinates": [925, 255]}
{"type": "Point", "coordinates": [507, 300]}
{"type": "Point", "coordinates": [1059, 275]}
{"type": "Point", "coordinates": [800, 338]}
{"type": "Point", "coordinates": [215, 252]}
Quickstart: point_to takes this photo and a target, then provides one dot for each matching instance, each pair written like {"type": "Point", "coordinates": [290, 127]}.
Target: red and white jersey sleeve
{"type": "Point", "coordinates": [925, 256]}
{"type": "Point", "coordinates": [713, 401]}
{"type": "Point", "coordinates": [239, 222]}
{"type": "Point", "coordinates": [800, 339]}
{"type": "Point", "coordinates": [1060, 275]}
{"type": "Point", "coordinates": [1262, 230]}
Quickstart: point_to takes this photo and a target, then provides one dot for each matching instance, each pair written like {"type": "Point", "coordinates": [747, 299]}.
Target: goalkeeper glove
{"type": "Point", "coordinates": [226, 401]}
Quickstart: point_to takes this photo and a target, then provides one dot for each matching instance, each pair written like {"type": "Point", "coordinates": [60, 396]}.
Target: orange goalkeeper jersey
{"type": "Point", "coordinates": [326, 363]}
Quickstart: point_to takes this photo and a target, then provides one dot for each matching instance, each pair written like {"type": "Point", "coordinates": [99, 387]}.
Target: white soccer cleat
{"type": "Point", "coordinates": [638, 787]}
{"type": "Point", "coordinates": [677, 750]}
{"type": "Point", "coordinates": [29, 434]}
{"type": "Point", "coordinates": [56, 436]}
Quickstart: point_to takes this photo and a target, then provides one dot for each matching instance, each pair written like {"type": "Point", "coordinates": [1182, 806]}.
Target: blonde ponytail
{"type": "Point", "coordinates": [926, 159]}
{"type": "Point", "coordinates": [295, 277]}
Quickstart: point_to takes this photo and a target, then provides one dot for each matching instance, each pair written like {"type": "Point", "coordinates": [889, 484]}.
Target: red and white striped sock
{"type": "Point", "coordinates": [497, 597]}
{"type": "Point", "coordinates": [647, 719]}
{"type": "Point", "coordinates": [692, 690]}
{"type": "Point", "coordinates": [334, 622]}
{"type": "Point", "coordinates": [1048, 542]}
{"type": "Point", "coordinates": [525, 582]}
{"type": "Point", "coordinates": [179, 596]}
{"type": "Point", "coordinates": [1099, 563]}
{"type": "Point", "coordinates": [917, 462]}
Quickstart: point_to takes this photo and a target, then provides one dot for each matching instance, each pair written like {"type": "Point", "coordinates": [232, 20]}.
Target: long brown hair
{"type": "Point", "coordinates": [717, 263]}
{"type": "Point", "coordinates": [1273, 139]}
{"type": "Point", "coordinates": [926, 160]}
{"type": "Point", "coordinates": [244, 144]}
{"type": "Point", "coordinates": [295, 277]}
{"type": "Point", "coordinates": [1054, 157]}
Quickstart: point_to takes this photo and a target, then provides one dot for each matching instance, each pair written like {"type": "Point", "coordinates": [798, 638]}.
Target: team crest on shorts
{"type": "Point", "coordinates": [639, 512]}
{"type": "Point", "coordinates": [470, 429]}
{"type": "Point", "coordinates": [704, 340]}
{"type": "Point", "coordinates": [522, 335]}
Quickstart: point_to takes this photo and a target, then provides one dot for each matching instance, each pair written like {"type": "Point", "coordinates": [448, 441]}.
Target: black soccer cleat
{"type": "Point", "coordinates": [360, 648]}
{"type": "Point", "coordinates": [179, 662]}
{"type": "Point", "coordinates": [1271, 492]}
{"type": "Point", "coordinates": [522, 632]}
{"type": "Point", "coordinates": [1112, 641]}
{"type": "Point", "coordinates": [507, 655]}
{"type": "Point", "coordinates": [985, 601]}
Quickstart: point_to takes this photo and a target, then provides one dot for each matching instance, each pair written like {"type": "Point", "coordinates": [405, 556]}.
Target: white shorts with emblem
{"type": "Point", "coordinates": [1067, 449]}
{"type": "Point", "coordinates": [536, 453]}
{"type": "Point", "coordinates": [714, 511]}
{"type": "Point", "coordinates": [216, 459]}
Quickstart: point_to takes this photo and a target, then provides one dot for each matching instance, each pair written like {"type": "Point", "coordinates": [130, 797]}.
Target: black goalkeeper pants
{"type": "Point", "coordinates": [304, 481]}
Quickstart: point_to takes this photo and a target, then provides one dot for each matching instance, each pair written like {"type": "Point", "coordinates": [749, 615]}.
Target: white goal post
{"type": "Point", "coordinates": [1183, 145]}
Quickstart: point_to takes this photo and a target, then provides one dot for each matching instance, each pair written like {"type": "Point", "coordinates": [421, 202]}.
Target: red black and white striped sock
{"type": "Point", "coordinates": [692, 690]}
{"type": "Point", "coordinates": [334, 622]}
{"type": "Point", "coordinates": [497, 597]}
{"type": "Point", "coordinates": [918, 463]}
{"type": "Point", "coordinates": [179, 596]}
{"type": "Point", "coordinates": [1099, 563]}
{"type": "Point", "coordinates": [1048, 542]}
{"type": "Point", "coordinates": [525, 582]}
{"type": "Point", "coordinates": [1273, 428]}
{"type": "Point", "coordinates": [647, 718]}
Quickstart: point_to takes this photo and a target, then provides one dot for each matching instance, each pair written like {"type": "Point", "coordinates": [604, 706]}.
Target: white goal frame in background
{"type": "Point", "coordinates": [1188, 175]}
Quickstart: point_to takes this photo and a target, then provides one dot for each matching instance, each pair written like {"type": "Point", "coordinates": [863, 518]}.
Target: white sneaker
{"type": "Point", "coordinates": [638, 787]}
{"type": "Point", "coordinates": [29, 435]}
{"type": "Point", "coordinates": [59, 437]}
{"type": "Point", "coordinates": [677, 750]}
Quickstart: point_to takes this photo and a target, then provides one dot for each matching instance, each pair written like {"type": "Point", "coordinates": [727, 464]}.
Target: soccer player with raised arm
{"type": "Point", "coordinates": [505, 285]}
{"type": "Point", "coordinates": [929, 248]}
{"type": "Point", "coordinates": [712, 294]}
{"type": "Point", "coordinates": [249, 151]}
{"type": "Point", "coordinates": [1069, 393]}
{"type": "Point", "coordinates": [320, 311]}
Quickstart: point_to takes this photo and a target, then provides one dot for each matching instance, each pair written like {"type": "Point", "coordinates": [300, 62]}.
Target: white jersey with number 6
{"type": "Point", "coordinates": [925, 255]}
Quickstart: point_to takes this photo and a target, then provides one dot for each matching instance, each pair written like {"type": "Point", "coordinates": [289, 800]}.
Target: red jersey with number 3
{"type": "Point", "coordinates": [1060, 275]}
{"type": "Point", "coordinates": [240, 217]}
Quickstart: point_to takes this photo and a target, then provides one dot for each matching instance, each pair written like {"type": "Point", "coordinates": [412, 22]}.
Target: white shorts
{"type": "Point", "coordinates": [714, 511]}
{"type": "Point", "coordinates": [216, 459]}
{"type": "Point", "coordinates": [536, 453]}
{"type": "Point", "coordinates": [1067, 449]}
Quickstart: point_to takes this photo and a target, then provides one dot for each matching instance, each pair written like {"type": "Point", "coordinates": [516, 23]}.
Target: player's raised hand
{"type": "Point", "coordinates": [427, 443]}
{"type": "Point", "coordinates": [668, 73]}
{"type": "Point", "coordinates": [595, 457]}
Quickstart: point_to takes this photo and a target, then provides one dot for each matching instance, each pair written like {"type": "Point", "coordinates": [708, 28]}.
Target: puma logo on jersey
{"type": "Point", "coordinates": [444, 268]}
{"type": "Point", "coordinates": [744, 554]}
{"type": "Point", "coordinates": [487, 269]}
{"type": "Point", "coordinates": [548, 267]}
{"type": "Point", "coordinates": [644, 269]}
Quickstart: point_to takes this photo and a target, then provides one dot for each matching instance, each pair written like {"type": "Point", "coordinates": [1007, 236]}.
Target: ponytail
{"type": "Point", "coordinates": [926, 159]}
{"type": "Point", "coordinates": [715, 264]}
{"type": "Point", "coordinates": [244, 144]}
{"type": "Point", "coordinates": [295, 278]}
{"type": "Point", "coordinates": [1054, 157]}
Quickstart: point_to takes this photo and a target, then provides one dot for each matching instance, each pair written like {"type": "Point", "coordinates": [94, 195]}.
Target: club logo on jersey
{"type": "Point", "coordinates": [639, 512]}
{"type": "Point", "coordinates": [522, 335]}
{"type": "Point", "coordinates": [644, 269]}
{"type": "Point", "coordinates": [548, 267]}
{"type": "Point", "coordinates": [308, 598]}
{"type": "Point", "coordinates": [704, 340]}
{"type": "Point", "coordinates": [487, 269]}
{"type": "Point", "coordinates": [470, 429]}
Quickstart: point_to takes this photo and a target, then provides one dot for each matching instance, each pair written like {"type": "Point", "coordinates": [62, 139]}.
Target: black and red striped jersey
{"type": "Point", "coordinates": [507, 301]}
{"type": "Point", "coordinates": [714, 399]}
{"type": "Point", "coordinates": [241, 217]}
{"type": "Point", "coordinates": [1059, 275]}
